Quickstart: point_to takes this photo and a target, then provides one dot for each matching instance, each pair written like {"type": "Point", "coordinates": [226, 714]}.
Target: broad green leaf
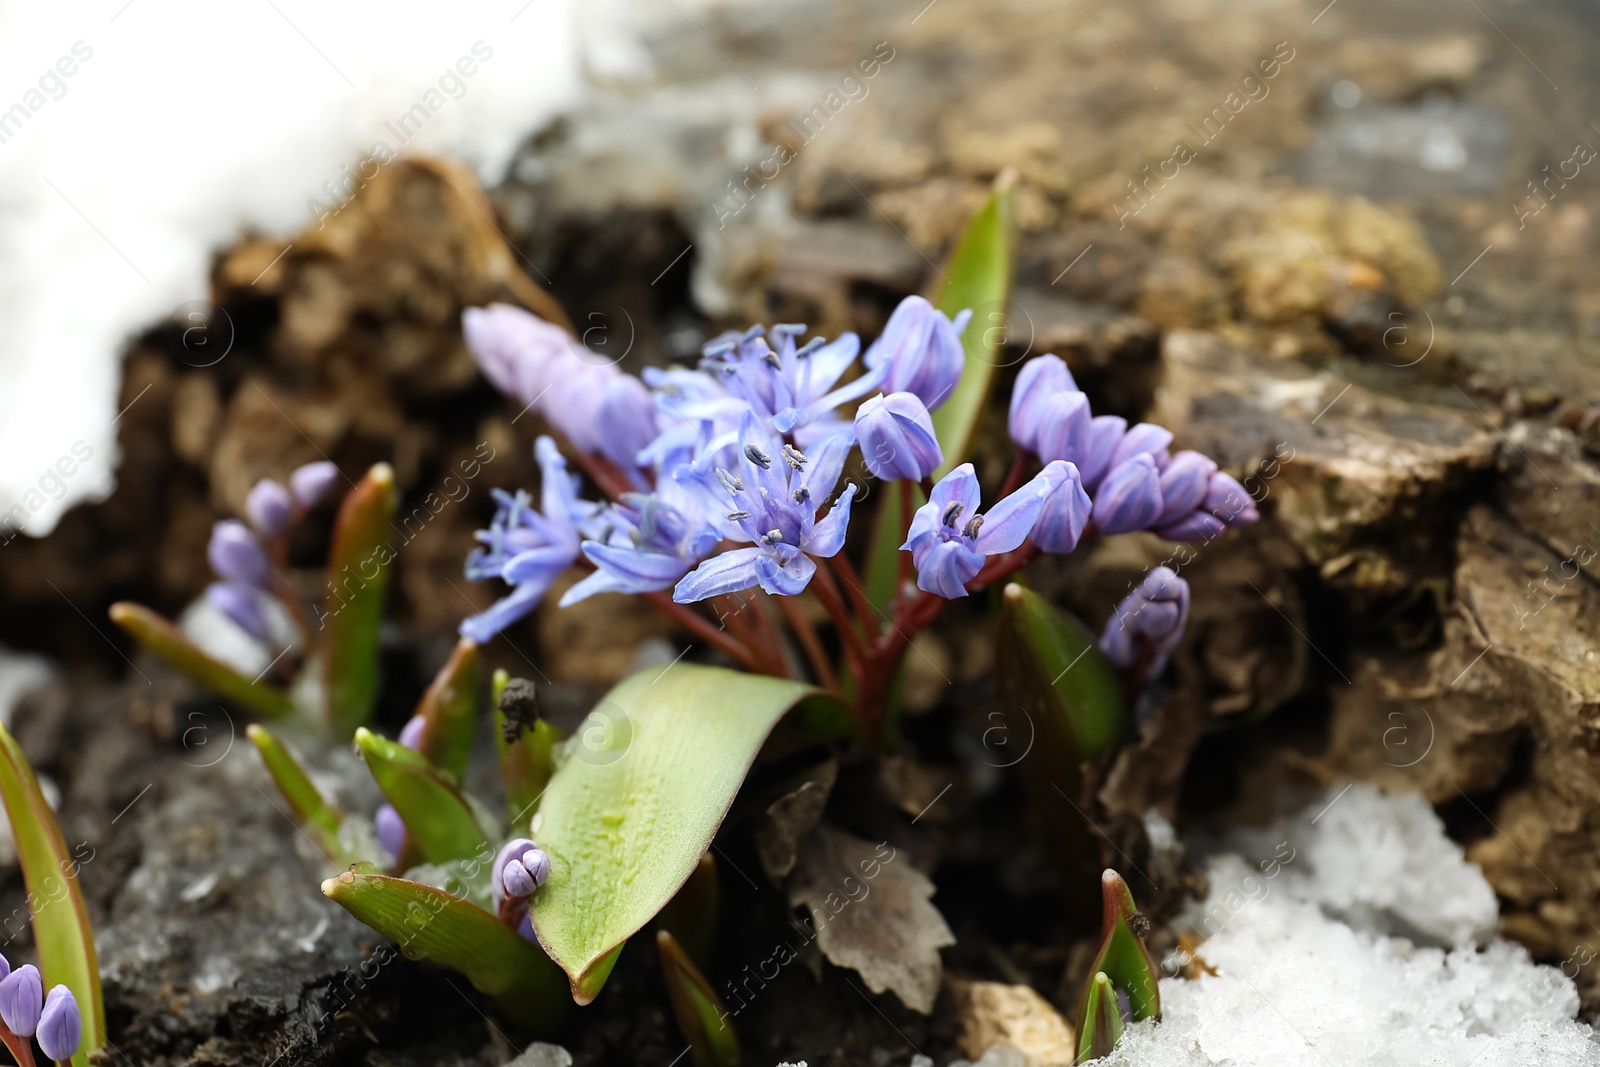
{"type": "Point", "coordinates": [449, 710]}
{"type": "Point", "coordinates": [691, 915]}
{"type": "Point", "coordinates": [358, 577]}
{"type": "Point", "coordinates": [977, 278]}
{"type": "Point", "coordinates": [526, 764]}
{"type": "Point", "coordinates": [428, 922]}
{"type": "Point", "coordinates": [1123, 961]}
{"type": "Point", "coordinates": [644, 783]}
{"type": "Point", "coordinates": [1101, 1026]}
{"type": "Point", "coordinates": [61, 930]}
{"type": "Point", "coordinates": [701, 1015]}
{"type": "Point", "coordinates": [439, 820]}
{"type": "Point", "coordinates": [310, 808]}
{"type": "Point", "coordinates": [172, 645]}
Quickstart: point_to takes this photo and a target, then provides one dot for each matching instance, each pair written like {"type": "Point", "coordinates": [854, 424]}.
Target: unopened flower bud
{"type": "Point", "coordinates": [411, 732]}
{"type": "Point", "coordinates": [1183, 485]}
{"type": "Point", "coordinates": [60, 1025]}
{"type": "Point", "coordinates": [391, 830]}
{"type": "Point", "coordinates": [242, 605]}
{"type": "Point", "coordinates": [235, 554]}
{"type": "Point", "coordinates": [897, 438]}
{"type": "Point", "coordinates": [269, 507]}
{"type": "Point", "coordinates": [22, 1000]}
{"type": "Point", "coordinates": [923, 352]}
{"type": "Point", "coordinates": [1130, 497]}
{"type": "Point", "coordinates": [311, 482]}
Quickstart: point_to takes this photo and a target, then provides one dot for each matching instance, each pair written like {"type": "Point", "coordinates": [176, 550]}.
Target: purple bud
{"type": "Point", "coordinates": [391, 830]}
{"type": "Point", "coordinates": [897, 438]}
{"type": "Point", "coordinates": [411, 732]}
{"type": "Point", "coordinates": [627, 420]}
{"type": "Point", "coordinates": [537, 863]}
{"type": "Point", "coordinates": [22, 999]}
{"type": "Point", "coordinates": [1193, 528]}
{"type": "Point", "coordinates": [235, 554]}
{"type": "Point", "coordinates": [1066, 510]}
{"type": "Point", "coordinates": [5, 967]}
{"type": "Point", "coordinates": [242, 604]}
{"type": "Point", "coordinates": [1038, 381]}
{"type": "Point", "coordinates": [511, 853]}
{"type": "Point", "coordinates": [1066, 427]}
{"type": "Point", "coordinates": [60, 1025]}
{"type": "Point", "coordinates": [1130, 497]}
{"type": "Point", "coordinates": [1145, 438]}
{"type": "Point", "coordinates": [311, 482]}
{"type": "Point", "coordinates": [1149, 622]}
{"type": "Point", "coordinates": [922, 349]}
{"type": "Point", "coordinates": [1183, 485]}
{"type": "Point", "coordinates": [516, 350]}
{"type": "Point", "coordinates": [515, 881]}
{"type": "Point", "coordinates": [269, 507]}
{"type": "Point", "coordinates": [1105, 434]}
{"type": "Point", "coordinates": [1227, 500]}
{"type": "Point", "coordinates": [572, 405]}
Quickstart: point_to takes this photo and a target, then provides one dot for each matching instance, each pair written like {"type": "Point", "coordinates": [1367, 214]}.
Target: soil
{"type": "Point", "coordinates": [1356, 308]}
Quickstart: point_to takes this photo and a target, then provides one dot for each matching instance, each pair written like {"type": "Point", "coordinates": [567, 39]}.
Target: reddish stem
{"type": "Point", "coordinates": [20, 1047]}
{"type": "Point", "coordinates": [806, 634]}
{"type": "Point", "coordinates": [865, 612]}
{"type": "Point", "coordinates": [828, 596]}
{"type": "Point", "coordinates": [704, 630]}
{"type": "Point", "coordinates": [1019, 467]}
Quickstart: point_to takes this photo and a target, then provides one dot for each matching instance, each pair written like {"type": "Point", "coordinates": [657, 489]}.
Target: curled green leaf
{"type": "Point", "coordinates": [173, 646]}
{"type": "Point", "coordinates": [358, 578]}
{"type": "Point", "coordinates": [61, 929]}
{"type": "Point", "coordinates": [1101, 1027]}
{"type": "Point", "coordinates": [431, 923]}
{"type": "Point", "coordinates": [439, 820]}
{"type": "Point", "coordinates": [449, 710]}
{"type": "Point", "coordinates": [701, 1015]}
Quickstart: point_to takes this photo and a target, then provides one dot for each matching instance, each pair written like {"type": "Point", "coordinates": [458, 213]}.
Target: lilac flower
{"type": "Point", "coordinates": [1039, 382]}
{"type": "Point", "coordinates": [520, 868]}
{"type": "Point", "coordinates": [1130, 497]}
{"type": "Point", "coordinates": [515, 349]}
{"type": "Point", "coordinates": [411, 733]}
{"type": "Point", "coordinates": [626, 419]}
{"type": "Point", "coordinates": [920, 351]}
{"type": "Point", "coordinates": [526, 548]}
{"type": "Point", "coordinates": [948, 539]}
{"type": "Point", "coordinates": [1219, 501]}
{"type": "Point", "coordinates": [311, 483]}
{"type": "Point", "coordinates": [1148, 624]}
{"type": "Point", "coordinates": [242, 604]}
{"type": "Point", "coordinates": [653, 542]}
{"type": "Point", "coordinates": [269, 507]}
{"type": "Point", "coordinates": [391, 830]}
{"type": "Point", "coordinates": [1227, 500]}
{"type": "Point", "coordinates": [22, 1000]}
{"type": "Point", "coordinates": [1065, 514]}
{"type": "Point", "coordinates": [897, 438]}
{"type": "Point", "coordinates": [789, 387]}
{"type": "Point", "coordinates": [60, 1025]}
{"type": "Point", "coordinates": [773, 503]}
{"type": "Point", "coordinates": [235, 554]}
{"type": "Point", "coordinates": [1183, 485]}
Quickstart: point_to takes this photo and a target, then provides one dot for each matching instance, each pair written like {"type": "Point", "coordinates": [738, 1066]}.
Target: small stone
{"type": "Point", "coordinates": [540, 1054]}
{"type": "Point", "coordinates": [999, 1023]}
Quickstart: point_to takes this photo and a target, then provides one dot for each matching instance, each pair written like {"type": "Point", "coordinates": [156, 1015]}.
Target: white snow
{"type": "Point", "coordinates": [1308, 971]}
{"type": "Point", "coordinates": [137, 137]}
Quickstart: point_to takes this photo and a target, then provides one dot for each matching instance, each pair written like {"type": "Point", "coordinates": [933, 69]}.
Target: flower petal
{"type": "Point", "coordinates": [505, 611]}
{"type": "Point", "coordinates": [1007, 524]}
{"type": "Point", "coordinates": [827, 538]}
{"type": "Point", "coordinates": [947, 569]}
{"type": "Point", "coordinates": [727, 573]}
{"type": "Point", "coordinates": [788, 579]}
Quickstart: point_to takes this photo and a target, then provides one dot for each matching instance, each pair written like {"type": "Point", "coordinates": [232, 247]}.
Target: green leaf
{"type": "Point", "coordinates": [645, 782]}
{"type": "Point", "coordinates": [449, 710]}
{"type": "Point", "coordinates": [439, 820]}
{"type": "Point", "coordinates": [1061, 707]}
{"type": "Point", "coordinates": [1101, 1026]}
{"type": "Point", "coordinates": [691, 916]}
{"type": "Point", "coordinates": [526, 764]}
{"type": "Point", "coordinates": [173, 646]}
{"type": "Point", "coordinates": [311, 809]}
{"type": "Point", "coordinates": [701, 1015]}
{"type": "Point", "coordinates": [431, 923]}
{"type": "Point", "coordinates": [977, 277]}
{"type": "Point", "coordinates": [61, 929]}
{"type": "Point", "coordinates": [358, 577]}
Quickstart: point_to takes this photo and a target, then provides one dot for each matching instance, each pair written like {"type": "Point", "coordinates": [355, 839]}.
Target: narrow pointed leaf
{"type": "Point", "coordinates": [358, 577]}
{"type": "Point", "coordinates": [439, 821]}
{"type": "Point", "coordinates": [1101, 1027]}
{"type": "Point", "coordinates": [309, 807]}
{"type": "Point", "coordinates": [701, 1015]}
{"type": "Point", "coordinates": [977, 278]}
{"type": "Point", "coordinates": [428, 922]}
{"type": "Point", "coordinates": [645, 782]}
{"type": "Point", "coordinates": [1123, 957]}
{"type": "Point", "coordinates": [449, 710]}
{"type": "Point", "coordinates": [61, 932]}
{"type": "Point", "coordinates": [1062, 706]}
{"type": "Point", "coordinates": [174, 646]}
{"type": "Point", "coordinates": [691, 916]}
{"type": "Point", "coordinates": [526, 764]}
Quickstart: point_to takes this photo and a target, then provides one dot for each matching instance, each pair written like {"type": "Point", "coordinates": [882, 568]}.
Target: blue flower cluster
{"type": "Point", "coordinates": [735, 464]}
